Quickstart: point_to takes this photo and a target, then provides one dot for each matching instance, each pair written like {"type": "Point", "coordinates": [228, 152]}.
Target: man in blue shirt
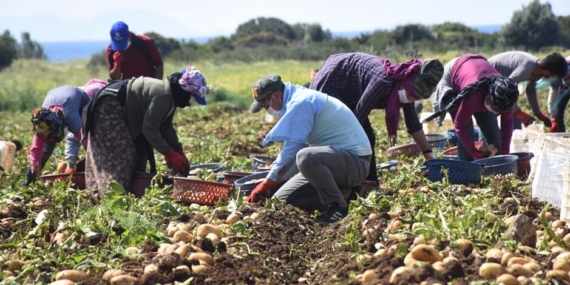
{"type": "Point", "coordinates": [322, 138]}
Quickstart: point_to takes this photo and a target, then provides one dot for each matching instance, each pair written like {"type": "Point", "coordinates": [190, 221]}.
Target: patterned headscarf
{"type": "Point", "coordinates": [194, 82]}
{"type": "Point", "coordinates": [503, 90]}
{"type": "Point", "coordinates": [93, 86]}
{"type": "Point", "coordinates": [48, 122]}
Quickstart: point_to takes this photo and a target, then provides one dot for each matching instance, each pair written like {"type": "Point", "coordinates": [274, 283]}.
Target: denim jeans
{"type": "Point", "coordinates": [489, 126]}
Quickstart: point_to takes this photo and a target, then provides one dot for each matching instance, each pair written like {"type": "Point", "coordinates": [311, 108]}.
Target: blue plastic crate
{"type": "Point", "coordinates": [500, 164]}
{"type": "Point", "coordinates": [437, 141]}
{"type": "Point", "coordinates": [459, 172]}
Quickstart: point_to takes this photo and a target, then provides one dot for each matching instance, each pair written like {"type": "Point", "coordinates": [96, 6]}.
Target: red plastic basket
{"type": "Point", "coordinates": [409, 149]}
{"type": "Point", "coordinates": [77, 179]}
{"type": "Point", "coordinates": [188, 191]}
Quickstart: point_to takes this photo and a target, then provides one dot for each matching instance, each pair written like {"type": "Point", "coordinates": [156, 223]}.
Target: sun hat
{"type": "Point", "coordinates": [119, 36]}
{"type": "Point", "coordinates": [431, 71]}
{"type": "Point", "coordinates": [262, 89]}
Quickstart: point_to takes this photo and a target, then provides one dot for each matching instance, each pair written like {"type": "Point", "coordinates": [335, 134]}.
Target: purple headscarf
{"type": "Point", "coordinates": [402, 74]}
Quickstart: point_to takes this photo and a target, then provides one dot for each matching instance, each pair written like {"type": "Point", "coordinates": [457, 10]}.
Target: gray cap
{"type": "Point", "coordinates": [263, 88]}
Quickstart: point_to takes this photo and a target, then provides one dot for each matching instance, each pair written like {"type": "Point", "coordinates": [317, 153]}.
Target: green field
{"type": "Point", "coordinates": [48, 228]}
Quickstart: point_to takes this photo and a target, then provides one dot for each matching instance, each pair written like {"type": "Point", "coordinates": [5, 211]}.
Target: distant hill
{"type": "Point", "coordinates": [487, 29]}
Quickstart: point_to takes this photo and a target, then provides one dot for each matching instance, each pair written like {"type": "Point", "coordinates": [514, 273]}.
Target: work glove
{"type": "Point", "coordinates": [555, 127]}
{"type": "Point", "coordinates": [544, 119]}
{"type": "Point", "coordinates": [70, 167]}
{"type": "Point", "coordinates": [177, 162]}
{"type": "Point", "coordinates": [525, 118]}
{"type": "Point", "coordinates": [118, 57]}
{"type": "Point", "coordinates": [30, 177]}
{"type": "Point", "coordinates": [261, 190]}
{"type": "Point", "coordinates": [480, 154]}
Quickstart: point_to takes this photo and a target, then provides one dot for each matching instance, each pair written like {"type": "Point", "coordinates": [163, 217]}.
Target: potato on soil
{"type": "Point", "coordinates": [62, 282]}
{"type": "Point", "coordinates": [368, 276]}
{"type": "Point", "coordinates": [124, 280]}
{"type": "Point", "coordinates": [201, 257]}
{"type": "Point", "coordinates": [490, 270]}
{"type": "Point", "coordinates": [519, 270]}
{"type": "Point", "coordinates": [200, 268]}
{"type": "Point", "coordinates": [232, 218]}
{"type": "Point", "coordinates": [507, 279]}
{"type": "Point", "coordinates": [182, 235]}
{"type": "Point", "coordinates": [399, 273]}
{"type": "Point", "coordinates": [494, 253]}
{"type": "Point", "coordinates": [109, 274]}
{"type": "Point", "coordinates": [205, 229]}
{"type": "Point", "coordinates": [14, 265]}
{"type": "Point", "coordinates": [558, 274]}
{"type": "Point", "coordinates": [423, 252]}
{"type": "Point", "coordinates": [72, 274]}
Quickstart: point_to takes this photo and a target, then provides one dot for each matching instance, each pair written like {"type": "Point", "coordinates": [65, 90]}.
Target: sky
{"type": "Point", "coordinates": [79, 20]}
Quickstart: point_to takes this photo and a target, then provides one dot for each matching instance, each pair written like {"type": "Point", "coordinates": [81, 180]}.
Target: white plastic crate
{"type": "Point", "coordinates": [565, 203]}
{"type": "Point", "coordinates": [548, 180]}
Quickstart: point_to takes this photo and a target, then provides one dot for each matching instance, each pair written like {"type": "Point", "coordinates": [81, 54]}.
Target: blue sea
{"type": "Point", "coordinates": [68, 51]}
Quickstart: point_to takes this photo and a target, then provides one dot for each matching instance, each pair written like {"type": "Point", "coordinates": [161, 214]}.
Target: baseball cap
{"type": "Point", "coordinates": [431, 71]}
{"type": "Point", "coordinates": [119, 36]}
{"type": "Point", "coordinates": [262, 88]}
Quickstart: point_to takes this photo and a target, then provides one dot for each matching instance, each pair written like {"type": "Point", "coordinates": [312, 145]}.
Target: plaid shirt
{"type": "Point", "coordinates": [360, 82]}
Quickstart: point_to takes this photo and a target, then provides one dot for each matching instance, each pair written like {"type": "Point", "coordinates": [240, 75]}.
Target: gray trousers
{"type": "Point", "coordinates": [323, 172]}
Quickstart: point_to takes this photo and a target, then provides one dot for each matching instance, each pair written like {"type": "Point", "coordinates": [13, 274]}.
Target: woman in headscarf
{"type": "Point", "coordinates": [364, 82]}
{"type": "Point", "coordinates": [471, 87]}
{"type": "Point", "coordinates": [129, 113]}
{"type": "Point", "coordinates": [61, 110]}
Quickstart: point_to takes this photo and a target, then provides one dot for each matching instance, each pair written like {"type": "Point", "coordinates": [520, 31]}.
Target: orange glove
{"type": "Point", "coordinates": [525, 118]}
{"type": "Point", "coordinates": [118, 58]}
{"type": "Point", "coordinates": [260, 191]}
{"type": "Point", "coordinates": [544, 119]}
{"type": "Point", "coordinates": [554, 128]}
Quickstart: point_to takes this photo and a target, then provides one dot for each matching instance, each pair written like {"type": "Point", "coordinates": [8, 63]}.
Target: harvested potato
{"type": "Point", "coordinates": [61, 167]}
{"type": "Point", "coordinates": [182, 250]}
{"type": "Point", "coordinates": [423, 252]}
{"type": "Point", "coordinates": [213, 237]}
{"type": "Point", "coordinates": [205, 229]}
{"type": "Point", "coordinates": [255, 217]}
{"type": "Point", "coordinates": [490, 270]}
{"type": "Point", "coordinates": [368, 276]}
{"type": "Point", "coordinates": [14, 265]}
{"type": "Point", "coordinates": [507, 279]}
{"type": "Point", "coordinates": [150, 268]}
{"type": "Point", "coordinates": [182, 235]}
{"type": "Point", "coordinates": [397, 274]}
{"type": "Point", "coordinates": [519, 270]}
{"type": "Point", "coordinates": [72, 274]}
{"type": "Point", "coordinates": [200, 268]}
{"type": "Point", "coordinates": [559, 274]}
{"type": "Point", "coordinates": [202, 257]}
{"type": "Point", "coordinates": [109, 274]}
{"type": "Point", "coordinates": [124, 280]}
{"type": "Point", "coordinates": [62, 282]}
{"type": "Point", "coordinates": [517, 260]}
{"type": "Point", "coordinates": [494, 253]}
{"type": "Point", "coordinates": [506, 257]}
{"type": "Point", "coordinates": [439, 266]}
{"type": "Point", "coordinates": [232, 219]}
{"type": "Point", "coordinates": [561, 264]}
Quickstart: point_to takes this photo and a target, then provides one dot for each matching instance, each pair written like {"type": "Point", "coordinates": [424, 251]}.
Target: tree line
{"type": "Point", "coordinates": [533, 28]}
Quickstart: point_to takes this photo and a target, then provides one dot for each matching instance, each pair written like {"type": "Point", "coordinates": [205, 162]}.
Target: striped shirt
{"type": "Point", "coordinates": [360, 82]}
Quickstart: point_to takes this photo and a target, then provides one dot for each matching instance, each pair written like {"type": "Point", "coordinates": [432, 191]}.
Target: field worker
{"type": "Point", "coordinates": [364, 82]}
{"type": "Point", "coordinates": [521, 66]}
{"type": "Point", "coordinates": [130, 55]}
{"type": "Point", "coordinates": [558, 97]}
{"type": "Point", "coordinates": [322, 137]}
{"type": "Point", "coordinates": [62, 110]}
{"type": "Point", "coordinates": [471, 87]}
{"type": "Point", "coordinates": [129, 113]}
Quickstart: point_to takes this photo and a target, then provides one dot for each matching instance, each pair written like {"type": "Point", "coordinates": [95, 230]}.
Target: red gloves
{"type": "Point", "coordinates": [554, 128]}
{"type": "Point", "coordinates": [544, 119]}
{"type": "Point", "coordinates": [118, 58]}
{"type": "Point", "coordinates": [525, 118]}
{"type": "Point", "coordinates": [260, 191]}
{"type": "Point", "coordinates": [178, 162]}
{"type": "Point", "coordinates": [480, 154]}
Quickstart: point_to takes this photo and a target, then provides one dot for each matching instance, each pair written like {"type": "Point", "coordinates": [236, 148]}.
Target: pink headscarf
{"type": "Point", "coordinates": [194, 82]}
{"type": "Point", "coordinates": [403, 76]}
{"type": "Point", "coordinates": [93, 86]}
